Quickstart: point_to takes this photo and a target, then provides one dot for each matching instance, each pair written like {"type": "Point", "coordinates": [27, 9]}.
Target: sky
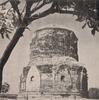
{"type": "Point", "coordinates": [88, 49]}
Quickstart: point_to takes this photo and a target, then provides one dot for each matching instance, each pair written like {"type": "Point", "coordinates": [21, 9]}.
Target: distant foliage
{"type": "Point", "coordinates": [5, 88]}
{"type": "Point", "coordinates": [94, 93]}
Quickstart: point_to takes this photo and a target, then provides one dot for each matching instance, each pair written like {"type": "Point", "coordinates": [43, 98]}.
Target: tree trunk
{"type": "Point", "coordinates": [97, 8]}
{"type": "Point", "coordinates": [9, 49]}
{"type": "Point", "coordinates": [1, 79]}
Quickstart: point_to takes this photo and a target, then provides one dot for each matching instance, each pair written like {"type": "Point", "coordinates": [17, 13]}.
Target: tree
{"type": "Point", "coordinates": [85, 10]}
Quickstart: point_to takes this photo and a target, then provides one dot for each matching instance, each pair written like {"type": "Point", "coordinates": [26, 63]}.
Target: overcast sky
{"type": "Point", "coordinates": [88, 47]}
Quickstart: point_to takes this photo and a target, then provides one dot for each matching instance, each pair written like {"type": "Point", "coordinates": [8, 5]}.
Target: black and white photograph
{"type": "Point", "coordinates": [49, 49]}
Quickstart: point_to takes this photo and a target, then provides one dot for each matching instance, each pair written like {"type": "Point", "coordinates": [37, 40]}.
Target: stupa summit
{"type": "Point", "coordinates": [54, 67]}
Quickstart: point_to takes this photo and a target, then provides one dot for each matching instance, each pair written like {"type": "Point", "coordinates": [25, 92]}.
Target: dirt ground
{"type": "Point", "coordinates": [45, 98]}
{"type": "Point", "coordinates": [41, 98]}
{"type": "Point", "coordinates": [6, 99]}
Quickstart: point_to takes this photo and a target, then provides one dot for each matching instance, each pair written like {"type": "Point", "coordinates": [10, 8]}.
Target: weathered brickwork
{"type": "Point", "coordinates": [54, 67]}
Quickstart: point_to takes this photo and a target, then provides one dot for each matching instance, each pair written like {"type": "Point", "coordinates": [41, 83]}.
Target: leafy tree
{"type": "Point", "coordinates": [14, 18]}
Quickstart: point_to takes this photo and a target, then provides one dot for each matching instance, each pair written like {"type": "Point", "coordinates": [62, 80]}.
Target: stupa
{"type": "Point", "coordinates": [54, 68]}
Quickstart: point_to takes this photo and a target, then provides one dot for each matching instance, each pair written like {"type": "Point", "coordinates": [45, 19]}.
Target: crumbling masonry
{"type": "Point", "coordinates": [54, 67]}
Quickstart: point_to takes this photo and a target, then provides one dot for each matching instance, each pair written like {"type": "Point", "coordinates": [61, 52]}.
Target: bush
{"type": "Point", "coordinates": [93, 93]}
{"type": "Point", "coordinates": [5, 87]}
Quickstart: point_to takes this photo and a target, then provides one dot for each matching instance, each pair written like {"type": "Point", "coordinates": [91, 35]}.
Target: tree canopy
{"type": "Point", "coordinates": [85, 10]}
